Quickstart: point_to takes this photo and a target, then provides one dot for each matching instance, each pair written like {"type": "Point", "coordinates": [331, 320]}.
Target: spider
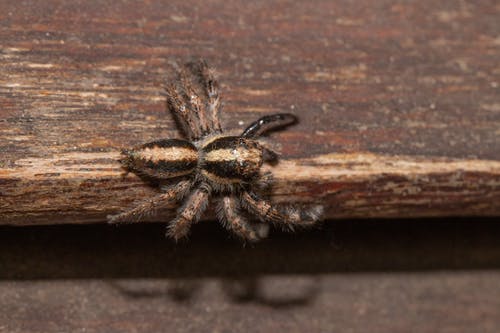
{"type": "Point", "coordinates": [210, 163]}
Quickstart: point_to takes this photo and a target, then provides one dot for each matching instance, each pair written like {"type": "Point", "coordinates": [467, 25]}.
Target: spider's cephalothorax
{"type": "Point", "coordinates": [211, 163]}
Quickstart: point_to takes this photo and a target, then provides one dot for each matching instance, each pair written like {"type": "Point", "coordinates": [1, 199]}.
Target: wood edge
{"type": "Point", "coordinates": [61, 189]}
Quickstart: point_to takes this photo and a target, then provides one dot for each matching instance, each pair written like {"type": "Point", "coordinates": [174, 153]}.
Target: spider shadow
{"type": "Point", "coordinates": [242, 290]}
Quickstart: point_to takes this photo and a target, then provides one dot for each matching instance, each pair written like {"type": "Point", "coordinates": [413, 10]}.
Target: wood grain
{"type": "Point", "coordinates": [399, 101]}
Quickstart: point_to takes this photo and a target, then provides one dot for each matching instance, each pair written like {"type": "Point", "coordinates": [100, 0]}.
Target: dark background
{"type": "Point", "coordinates": [357, 276]}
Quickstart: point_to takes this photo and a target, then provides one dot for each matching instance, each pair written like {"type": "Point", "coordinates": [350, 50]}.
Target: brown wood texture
{"type": "Point", "coordinates": [398, 100]}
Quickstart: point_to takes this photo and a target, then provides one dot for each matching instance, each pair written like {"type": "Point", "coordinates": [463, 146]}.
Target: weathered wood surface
{"type": "Point", "coordinates": [399, 101]}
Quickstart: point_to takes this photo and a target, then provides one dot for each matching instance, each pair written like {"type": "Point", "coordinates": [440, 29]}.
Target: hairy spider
{"type": "Point", "coordinates": [211, 163]}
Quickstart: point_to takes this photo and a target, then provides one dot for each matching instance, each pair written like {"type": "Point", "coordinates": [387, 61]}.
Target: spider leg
{"type": "Point", "coordinates": [288, 217]}
{"type": "Point", "coordinates": [182, 112]}
{"type": "Point", "coordinates": [193, 98]}
{"type": "Point", "coordinates": [229, 214]}
{"type": "Point", "coordinates": [149, 207]}
{"type": "Point", "coordinates": [190, 212]}
{"type": "Point", "coordinates": [269, 123]}
{"type": "Point", "coordinates": [269, 156]}
{"type": "Point", "coordinates": [211, 89]}
{"type": "Point", "coordinates": [265, 181]}
{"type": "Point", "coordinates": [190, 92]}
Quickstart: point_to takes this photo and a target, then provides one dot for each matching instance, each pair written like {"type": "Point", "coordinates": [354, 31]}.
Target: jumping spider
{"type": "Point", "coordinates": [211, 163]}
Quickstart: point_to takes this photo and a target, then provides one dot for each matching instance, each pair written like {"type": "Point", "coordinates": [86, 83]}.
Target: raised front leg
{"type": "Point", "coordinates": [211, 89]}
{"type": "Point", "coordinates": [194, 100]}
{"type": "Point", "coordinates": [182, 112]}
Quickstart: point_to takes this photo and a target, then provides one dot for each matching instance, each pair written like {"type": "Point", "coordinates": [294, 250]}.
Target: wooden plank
{"type": "Point", "coordinates": [399, 102]}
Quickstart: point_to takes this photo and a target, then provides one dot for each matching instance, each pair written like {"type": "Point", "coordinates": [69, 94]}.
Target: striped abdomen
{"type": "Point", "coordinates": [162, 159]}
{"type": "Point", "coordinates": [231, 159]}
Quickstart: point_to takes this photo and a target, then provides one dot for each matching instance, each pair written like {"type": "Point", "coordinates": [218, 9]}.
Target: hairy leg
{"type": "Point", "coordinates": [190, 90]}
{"type": "Point", "coordinates": [149, 207]}
{"type": "Point", "coordinates": [265, 181]}
{"type": "Point", "coordinates": [229, 214]}
{"type": "Point", "coordinates": [182, 112]}
{"type": "Point", "coordinates": [193, 98]}
{"type": "Point", "coordinates": [211, 90]}
{"type": "Point", "coordinates": [190, 212]}
{"type": "Point", "coordinates": [288, 217]}
{"type": "Point", "coordinates": [269, 123]}
{"type": "Point", "coordinates": [269, 156]}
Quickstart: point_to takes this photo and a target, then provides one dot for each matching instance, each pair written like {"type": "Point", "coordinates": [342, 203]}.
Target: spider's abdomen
{"type": "Point", "coordinates": [231, 159]}
{"type": "Point", "coordinates": [162, 159]}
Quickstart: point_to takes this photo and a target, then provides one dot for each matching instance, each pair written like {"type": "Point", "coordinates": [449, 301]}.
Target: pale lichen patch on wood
{"type": "Point", "coordinates": [65, 166]}
{"type": "Point", "coordinates": [35, 65]}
